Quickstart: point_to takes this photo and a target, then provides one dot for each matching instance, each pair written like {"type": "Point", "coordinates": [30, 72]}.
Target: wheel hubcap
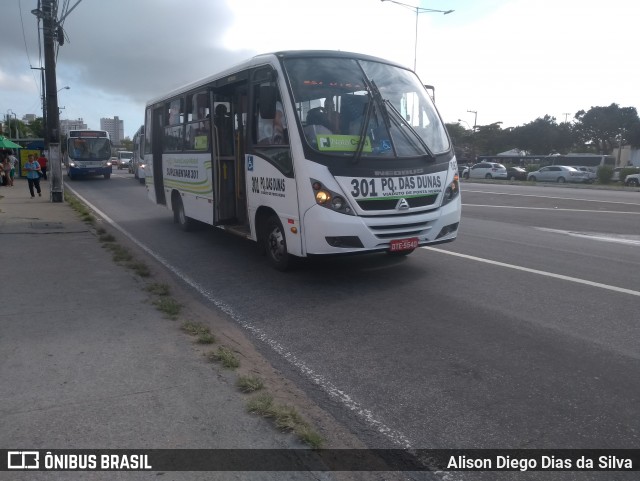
{"type": "Point", "coordinates": [276, 244]}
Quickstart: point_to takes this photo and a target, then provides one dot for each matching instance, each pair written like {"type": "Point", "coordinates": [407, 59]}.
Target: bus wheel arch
{"type": "Point", "coordinates": [272, 239]}
{"type": "Point", "coordinates": [179, 215]}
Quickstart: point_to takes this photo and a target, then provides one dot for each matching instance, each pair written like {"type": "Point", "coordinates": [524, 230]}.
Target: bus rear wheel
{"type": "Point", "coordinates": [179, 216]}
{"type": "Point", "coordinates": [275, 244]}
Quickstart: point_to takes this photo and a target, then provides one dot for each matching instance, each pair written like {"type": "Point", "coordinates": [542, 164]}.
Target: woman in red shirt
{"type": "Point", "coordinates": [42, 160]}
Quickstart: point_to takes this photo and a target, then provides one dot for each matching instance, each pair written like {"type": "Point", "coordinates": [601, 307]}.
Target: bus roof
{"type": "Point", "coordinates": [267, 58]}
{"type": "Point", "coordinates": [88, 133]}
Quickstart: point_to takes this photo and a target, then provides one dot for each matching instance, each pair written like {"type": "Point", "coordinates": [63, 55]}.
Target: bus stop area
{"type": "Point", "coordinates": [87, 362]}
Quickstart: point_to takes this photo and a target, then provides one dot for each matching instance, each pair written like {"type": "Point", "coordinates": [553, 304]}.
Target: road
{"type": "Point", "coordinates": [521, 334]}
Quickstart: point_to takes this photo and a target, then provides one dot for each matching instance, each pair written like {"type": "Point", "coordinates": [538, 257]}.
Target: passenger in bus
{"type": "Point", "coordinates": [332, 115]}
{"type": "Point", "coordinates": [279, 126]}
{"type": "Point", "coordinates": [317, 123]}
{"type": "Point", "coordinates": [274, 131]}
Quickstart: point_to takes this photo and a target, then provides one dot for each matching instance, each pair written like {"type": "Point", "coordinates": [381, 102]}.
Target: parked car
{"type": "Point", "coordinates": [461, 169]}
{"type": "Point", "coordinates": [486, 170]}
{"type": "Point", "coordinates": [632, 180]}
{"type": "Point", "coordinates": [516, 173]}
{"type": "Point", "coordinates": [558, 173]}
{"type": "Point", "coordinates": [615, 177]}
{"type": "Point", "coordinates": [590, 171]}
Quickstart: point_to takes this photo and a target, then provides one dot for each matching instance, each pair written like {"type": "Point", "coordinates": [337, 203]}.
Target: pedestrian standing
{"type": "Point", "coordinates": [13, 161]}
{"type": "Point", "coordinates": [5, 167]}
{"type": "Point", "coordinates": [42, 160]}
{"type": "Point", "coordinates": [33, 175]}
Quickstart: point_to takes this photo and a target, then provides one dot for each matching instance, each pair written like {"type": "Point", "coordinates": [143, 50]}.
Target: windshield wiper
{"type": "Point", "coordinates": [401, 122]}
{"type": "Point", "coordinates": [363, 132]}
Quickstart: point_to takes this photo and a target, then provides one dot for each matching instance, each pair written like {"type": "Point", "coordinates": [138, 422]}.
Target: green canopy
{"type": "Point", "coordinates": [8, 144]}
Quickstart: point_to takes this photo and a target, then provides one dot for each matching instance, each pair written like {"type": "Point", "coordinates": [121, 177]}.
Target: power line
{"type": "Point", "coordinates": [24, 38]}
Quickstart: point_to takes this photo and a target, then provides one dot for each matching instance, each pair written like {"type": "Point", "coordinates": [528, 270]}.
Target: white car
{"type": "Point", "coordinates": [485, 170]}
{"type": "Point", "coordinates": [591, 172]}
{"type": "Point", "coordinates": [632, 180]}
{"type": "Point", "coordinates": [558, 173]}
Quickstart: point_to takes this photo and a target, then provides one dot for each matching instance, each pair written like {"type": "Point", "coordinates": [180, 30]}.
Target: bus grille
{"type": "Point", "coordinates": [390, 204]}
{"type": "Point", "coordinates": [400, 230]}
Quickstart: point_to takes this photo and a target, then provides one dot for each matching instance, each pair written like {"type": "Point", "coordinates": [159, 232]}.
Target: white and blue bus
{"type": "Point", "coordinates": [88, 153]}
{"type": "Point", "coordinates": [307, 153]}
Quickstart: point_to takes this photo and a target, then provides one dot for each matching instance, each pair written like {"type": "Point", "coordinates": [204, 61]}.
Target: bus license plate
{"type": "Point", "coordinates": [403, 244]}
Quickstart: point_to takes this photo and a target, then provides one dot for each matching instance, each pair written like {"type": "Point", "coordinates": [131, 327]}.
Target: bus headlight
{"type": "Point", "coordinates": [322, 196]}
{"type": "Point", "coordinates": [452, 191]}
{"type": "Point", "coordinates": [329, 199]}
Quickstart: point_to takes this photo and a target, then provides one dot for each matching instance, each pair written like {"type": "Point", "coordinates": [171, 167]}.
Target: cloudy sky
{"type": "Point", "coordinates": [511, 61]}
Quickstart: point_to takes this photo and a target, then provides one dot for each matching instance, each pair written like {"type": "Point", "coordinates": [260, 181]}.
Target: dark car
{"type": "Point", "coordinates": [516, 173]}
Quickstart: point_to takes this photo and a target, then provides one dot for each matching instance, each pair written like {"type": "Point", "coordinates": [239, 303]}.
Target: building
{"type": "Point", "coordinates": [66, 125]}
{"type": "Point", "coordinates": [28, 118]}
{"type": "Point", "coordinates": [115, 127]}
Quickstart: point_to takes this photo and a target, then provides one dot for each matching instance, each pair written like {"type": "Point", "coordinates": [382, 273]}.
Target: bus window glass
{"type": "Point", "coordinates": [198, 107]}
{"type": "Point", "coordinates": [339, 94]}
{"type": "Point", "coordinates": [197, 137]}
{"type": "Point", "coordinates": [197, 130]}
{"type": "Point", "coordinates": [89, 148]}
{"type": "Point", "coordinates": [147, 132]}
{"type": "Point", "coordinates": [175, 115]}
{"type": "Point", "coordinates": [173, 139]}
{"type": "Point", "coordinates": [269, 131]}
{"type": "Point", "coordinates": [271, 135]}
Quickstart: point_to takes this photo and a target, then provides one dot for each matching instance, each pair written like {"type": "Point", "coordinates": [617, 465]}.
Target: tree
{"type": "Point", "coordinates": [544, 136]}
{"type": "Point", "coordinates": [36, 128]}
{"type": "Point", "coordinates": [607, 127]}
{"type": "Point", "coordinates": [126, 143]}
{"type": "Point", "coordinates": [491, 139]}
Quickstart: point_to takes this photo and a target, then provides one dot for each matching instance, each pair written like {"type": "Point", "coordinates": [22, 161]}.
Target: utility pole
{"type": "Point", "coordinates": [52, 134]}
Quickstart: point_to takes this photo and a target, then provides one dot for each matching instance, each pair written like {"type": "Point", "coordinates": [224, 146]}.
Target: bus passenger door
{"type": "Point", "coordinates": [156, 155]}
{"type": "Point", "coordinates": [229, 123]}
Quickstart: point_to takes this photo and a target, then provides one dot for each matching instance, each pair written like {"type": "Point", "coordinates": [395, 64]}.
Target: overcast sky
{"type": "Point", "coordinates": [511, 61]}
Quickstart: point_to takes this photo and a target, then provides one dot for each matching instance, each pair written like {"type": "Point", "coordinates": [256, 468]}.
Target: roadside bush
{"type": "Point", "coordinates": [604, 174]}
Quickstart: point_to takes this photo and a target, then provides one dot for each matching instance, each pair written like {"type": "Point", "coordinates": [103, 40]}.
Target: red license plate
{"type": "Point", "coordinates": [403, 244]}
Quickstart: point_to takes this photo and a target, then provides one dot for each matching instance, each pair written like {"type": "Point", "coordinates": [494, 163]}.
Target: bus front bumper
{"type": "Point", "coordinates": [329, 232]}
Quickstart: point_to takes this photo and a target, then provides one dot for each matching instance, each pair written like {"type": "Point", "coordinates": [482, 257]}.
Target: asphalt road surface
{"type": "Point", "coordinates": [521, 334]}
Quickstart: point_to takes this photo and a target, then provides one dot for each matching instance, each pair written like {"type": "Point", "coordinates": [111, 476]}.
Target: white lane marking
{"type": "Point", "coordinates": [550, 208]}
{"type": "Point", "coordinates": [577, 280]}
{"type": "Point", "coordinates": [550, 197]}
{"type": "Point", "coordinates": [327, 386]}
{"type": "Point", "coordinates": [620, 239]}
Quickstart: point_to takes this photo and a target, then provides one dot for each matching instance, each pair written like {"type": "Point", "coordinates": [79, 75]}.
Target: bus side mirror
{"type": "Point", "coordinates": [432, 92]}
{"type": "Point", "coordinates": [268, 99]}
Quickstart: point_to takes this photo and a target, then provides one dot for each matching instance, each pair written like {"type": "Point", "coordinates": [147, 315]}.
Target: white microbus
{"type": "Point", "coordinates": [307, 153]}
{"type": "Point", "coordinates": [137, 163]}
{"type": "Point", "coordinates": [88, 153]}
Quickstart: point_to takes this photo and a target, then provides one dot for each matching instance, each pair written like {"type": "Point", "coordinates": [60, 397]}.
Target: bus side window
{"type": "Point", "coordinates": [269, 131]}
{"type": "Point", "coordinates": [198, 123]}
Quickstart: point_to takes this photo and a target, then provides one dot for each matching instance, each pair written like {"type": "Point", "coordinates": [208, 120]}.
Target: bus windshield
{"type": "Point", "coordinates": [88, 148]}
{"type": "Point", "coordinates": [361, 108]}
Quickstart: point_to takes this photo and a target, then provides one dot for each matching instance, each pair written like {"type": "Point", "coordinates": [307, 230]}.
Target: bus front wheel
{"type": "Point", "coordinates": [275, 244]}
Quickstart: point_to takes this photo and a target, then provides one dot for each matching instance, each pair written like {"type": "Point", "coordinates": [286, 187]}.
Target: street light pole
{"type": "Point", "coordinates": [475, 118]}
{"type": "Point", "coordinates": [8, 117]}
{"type": "Point", "coordinates": [418, 11]}
{"type": "Point", "coordinates": [460, 120]}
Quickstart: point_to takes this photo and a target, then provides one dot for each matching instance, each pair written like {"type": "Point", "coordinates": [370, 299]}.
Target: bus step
{"type": "Point", "coordinates": [240, 230]}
